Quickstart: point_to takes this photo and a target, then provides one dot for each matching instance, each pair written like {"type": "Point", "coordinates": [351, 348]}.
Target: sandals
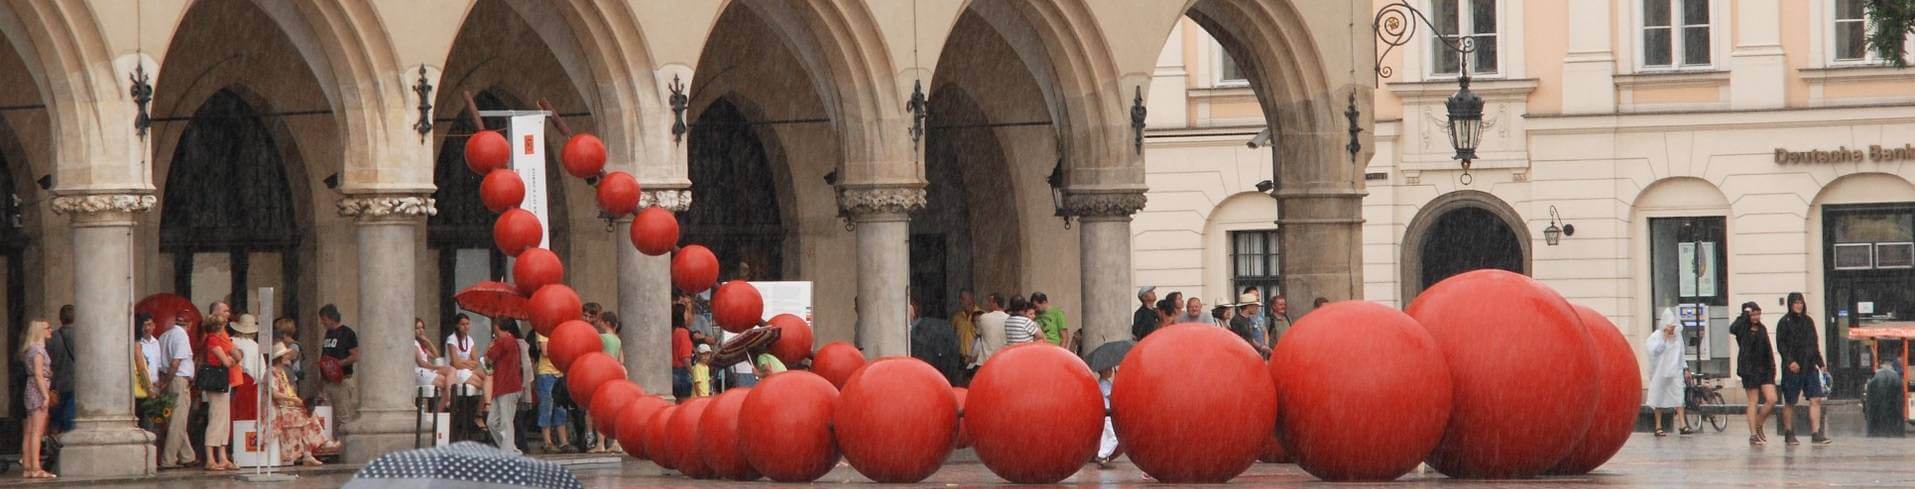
{"type": "Point", "coordinates": [1686, 431]}
{"type": "Point", "coordinates": [1660, 433]}
{"type": "Point", "coordinates": [38, 474]}
{"type": "Point", "coordinates": [1756, 441]}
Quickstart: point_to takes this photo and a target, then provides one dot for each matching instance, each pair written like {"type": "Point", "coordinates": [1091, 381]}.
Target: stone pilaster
{"type": "Point", "coordinates": [645, 299]}
{"type": "Point", "coordinates": [388, 247]}
{"type": "Point", "coordinates": [1320, 230]}
{"type": "Point", "coordinates": [106, 440]}
{"type": "Point", "coordinates": [1589, 68]}
{"type": "Point", "coordinates": [883, 219]}
{"type": "Point", "coordinates": [1104, 245]}
{"type": "Point", "coordinates": [1758, 67]}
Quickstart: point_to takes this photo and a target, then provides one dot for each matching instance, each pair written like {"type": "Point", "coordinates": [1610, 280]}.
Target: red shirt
{"type": "Point", "coordinates": [504, 355]}
{"type": "Point", "coordinates": [221, 343]}
{"type": "Point", "coordinates": [681, 347]}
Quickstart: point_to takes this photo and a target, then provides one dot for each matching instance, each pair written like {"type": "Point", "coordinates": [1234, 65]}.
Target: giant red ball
{"type": "Point", "coordinates": [1402, 373]}
{"type": "Point", "coordinates": [658, 445]}
{"type": "Point", "coordinates": [588, 372]}
{"type": "Point", "coordinates": [1618, 400]}
{"type": "Point", "coordinates": [683, 435]}
{"type": "Point", "coordinates": [501, 190]}
{"type": "Point", "coordinates": [836, 361]}
{"type": "Point", "coordinates": [896, 420]}
{"type": "Point", "coordinates": [654, 231]}
{"type": "Point", "coordinates": [963, 439]}
{"type": "Point", "coordinates": [694, 269]}
{"type": "Point", "coordinates": [1191, 368]}
{"type": "Point", "coordinates": [618, 193]}
{"type": "Point", "coordinates": [1035, 413]}
{"type": "Point", "coordinates": [1274, 452]}
{"type": "Point", "coordinates": [536, 268]}
{"type": "Point", "coordinates": [736, 306]}
{"type": "Point", "coordinates": [784, 427]}
{"type": "Point", "coordinates": [583, 155]}
{"type": "Point", "coordinates": [551, 305]}
{"type": "Point", "coordinates": [571, 340]}
{"type": "Point", "coordinates": [633, 420]}
{"type": "Point", "coordinates": [1511, 418]}
{"type": "Point", "coordinates": [794, 339]}
{"type": "Point", "coordinates": [517, 230]}
{"type": "Point", "coordinates": [719, 440]}
{"type": "Point", "coordinates": [486, 151]}
{"type": "Point", "coordinates": [608, 400]}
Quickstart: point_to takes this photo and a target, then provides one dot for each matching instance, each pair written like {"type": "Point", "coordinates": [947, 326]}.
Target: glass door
{"type": "Point", "coordinates": [1870, 274]}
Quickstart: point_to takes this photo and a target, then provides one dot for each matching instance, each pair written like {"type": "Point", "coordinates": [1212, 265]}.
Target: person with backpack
{"type": "Point", "coordinates": [1802, 370]}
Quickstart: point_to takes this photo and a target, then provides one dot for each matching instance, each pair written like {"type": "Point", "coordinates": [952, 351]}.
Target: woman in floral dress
{"type": "Point", "coordinates": [300, 435]}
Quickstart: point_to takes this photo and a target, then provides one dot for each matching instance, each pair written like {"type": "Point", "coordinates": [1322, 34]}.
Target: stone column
{"type": "Point", "coordinates": [645, 300]}
{"type": "Point", "coordinates": [105, 441]}
{"type": "Point", "coordinates": [388, 246]}
{"type": "Point", "coordinates": [1320, 235]}
{"type": "Point", "coordinates": [1103, 219]}
{"type": "Point", "coordinates": [882, 216]}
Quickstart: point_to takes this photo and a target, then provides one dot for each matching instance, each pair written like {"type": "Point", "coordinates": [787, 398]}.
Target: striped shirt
{"type": "Point", "coordinates": [1020, 329]}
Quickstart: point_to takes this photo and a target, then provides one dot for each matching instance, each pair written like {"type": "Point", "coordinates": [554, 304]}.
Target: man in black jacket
{"type": "Point", "coordinates": [1802, 369]}
{"type": "Point", "coordinates": [1755, 364]}
{"type": "Point", "coordinates": [1144, 320]}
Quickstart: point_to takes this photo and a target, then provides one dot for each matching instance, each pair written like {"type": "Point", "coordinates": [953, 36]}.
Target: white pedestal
{"type": "Point", "coordinates": [249, 447]}
{"type": "Point", "coordinates": [324, 413]}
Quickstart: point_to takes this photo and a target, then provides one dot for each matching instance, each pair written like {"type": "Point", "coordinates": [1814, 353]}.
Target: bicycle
{"type": "Point", "coordinates": [1700, 390]}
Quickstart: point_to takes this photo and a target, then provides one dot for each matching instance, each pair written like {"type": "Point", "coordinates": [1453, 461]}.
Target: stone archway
{"type": "Point", "coordinates": [1461, 231]}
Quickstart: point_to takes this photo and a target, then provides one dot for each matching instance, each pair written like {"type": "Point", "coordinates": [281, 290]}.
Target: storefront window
{"type": "Point", "coordinates": [1869, 276]}
{"type": "Point", "coordinates": [1687, 266]}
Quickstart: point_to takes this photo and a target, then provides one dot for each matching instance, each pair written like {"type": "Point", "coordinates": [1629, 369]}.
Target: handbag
{"type": "Point", "coordinates": [213, 378]}
{"type": "Point", "coordinates": [331, 370]}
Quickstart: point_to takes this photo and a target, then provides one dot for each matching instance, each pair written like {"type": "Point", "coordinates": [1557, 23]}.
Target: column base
{"type": "Point", "coordinates": [377, 433]}
{"type": "Point", "coordinates": [107, 452]}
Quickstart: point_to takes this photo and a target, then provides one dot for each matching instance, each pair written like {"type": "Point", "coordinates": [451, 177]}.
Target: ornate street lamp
{"type": "Point", "coordinates": [1554, 234]}
{"type": "Point", "coordinates": [1056, 181]}
{"type": "Point", "coordinates": [1396, 25]}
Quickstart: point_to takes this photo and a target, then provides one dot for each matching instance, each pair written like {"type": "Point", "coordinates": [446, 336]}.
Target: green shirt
{"type": "Point", "coordinates": [770, 363]}
{"type": "Point", "coordinates": [612, 345]}
{"type": "Point", "coordinates": [1052, 322]}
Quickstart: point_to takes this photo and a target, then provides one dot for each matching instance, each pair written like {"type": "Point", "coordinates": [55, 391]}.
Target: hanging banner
{"type": "Point", "coordinates": [527, 137]}
{"type": "Point", "coordinates": [1698, 273]}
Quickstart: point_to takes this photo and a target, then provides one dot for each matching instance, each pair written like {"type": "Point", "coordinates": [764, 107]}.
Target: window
{"type": "Point", "coordinates": [1454, 18]}
{"type": "Point", "coordinates": [1253, 262]}
{"type": "Point", "coordinates": [1686, 261]}
{"type": "Point", "coordinates": [1675, 33]}
{"type": "Point", "coordinates": [1849, 38]}
{"type": "Point", "coordinates": [1228, 73]}
{"type": "Point", "coordinates": [1867, 241]}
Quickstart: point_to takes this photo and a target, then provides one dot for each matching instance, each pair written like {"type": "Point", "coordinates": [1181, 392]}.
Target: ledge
{"type": "Point", "coordinates": [1444, 87]}
{"type": "Point", "coordinates": [1868, 72]}
{"type": "Point", "coordinates": [1659, 79]}
{"type": "Point", "coordinates": [1224, 91]}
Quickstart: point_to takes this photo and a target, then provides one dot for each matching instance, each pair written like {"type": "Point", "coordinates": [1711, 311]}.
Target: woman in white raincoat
{"type": "Point", "coordinates": [1666, 373]}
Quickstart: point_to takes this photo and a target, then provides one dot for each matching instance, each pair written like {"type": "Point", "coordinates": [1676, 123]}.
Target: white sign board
{"type": "Point", "coordinates": [528, 158]}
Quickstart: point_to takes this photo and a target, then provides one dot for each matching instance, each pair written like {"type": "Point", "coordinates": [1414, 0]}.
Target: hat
{"type": "Point", "coordinates": [247, 324]}
{"type": "Point", "coordinates": [1248, 300]}
{"type": "Point", "coordinates": [704, 348]}
{"type": "Point", "coordinates": [1145, 290]}
{"type": "Point", "coordinates": [280, 350]}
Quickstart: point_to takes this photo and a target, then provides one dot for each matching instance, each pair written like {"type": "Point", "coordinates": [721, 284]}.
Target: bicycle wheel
{"type": "Point", "coordinates": [1720, 422]}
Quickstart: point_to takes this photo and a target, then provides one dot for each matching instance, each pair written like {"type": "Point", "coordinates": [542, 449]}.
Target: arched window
{"type": "Point", "coordinates": [228, 222]}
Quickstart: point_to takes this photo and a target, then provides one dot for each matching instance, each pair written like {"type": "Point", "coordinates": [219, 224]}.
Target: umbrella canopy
{"type": "Point", "coordinates": [1108, 355]}
{"type": "Point", "coordinates": [495, 299]}
{"type": "Point", "coordinates": [165, 307]}
{"type": "Point", "coordinates": [464, 465]}
{"type": "Point", "coordinates": [741, 347]}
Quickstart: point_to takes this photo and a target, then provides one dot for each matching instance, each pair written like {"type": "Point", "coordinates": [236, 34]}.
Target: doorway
{"type": "Point", "coordinates": [1458, 232]}
{"type": "Point", "coordinates": [1870, 271]}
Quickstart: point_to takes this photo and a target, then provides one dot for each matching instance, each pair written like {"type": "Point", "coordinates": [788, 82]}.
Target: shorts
{"type": "Point", "coordinates": [62, 416]}
{"type": "Point", "coordinates": [681, 383]}
{"type": "Point", "coordinates": [1807, 384]}
{"type": "Point", "coordinates": [550, 415]}
{"type": "Point", "coordinates": [1757, 381]}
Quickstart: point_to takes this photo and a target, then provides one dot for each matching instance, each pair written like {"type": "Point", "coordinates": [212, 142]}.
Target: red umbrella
{"type": "Point", "coordinates": [492, 298]}
{"type": "Point", "coordinates": [165, 307]}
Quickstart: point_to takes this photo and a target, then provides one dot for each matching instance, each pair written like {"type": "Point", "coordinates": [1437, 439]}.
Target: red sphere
{"type": "Point", "coordinates": [501, 190]}
{"type": "Point", "coordinates": [571, 340]}
{"type": "Point", "coordinates": [1192, 368]}
{"type": "Point", "coordinates": [836, 361]}
{"type": "Point", "coordinates": [654, 231]}
{"type": "Point", "coordinates": [618, 193]}
{"type": "Point", "coordinates": [517, 230]}
{"type": "Point", "coordinates": [683, 434]}
{"type": "Point", "coordinates": [486, 151]}
{"type": "Point", "coordinates": [1274, 452]}
{"type": "Point", "coordinates": [1498, 331]}
{"type": "Point", "coordinates": [718, 440]}
{"type": "Point", "coordinates": [536, 268]}
{"type": "Point", "coordinates": [963, 439]}
{"type": "Point", "coordinates": [583, 155]}
{"type": "Point", "coordinates": [1618, 399]}
{"type": "Point", "coordinates": [588, 373]}
{"type": "Point", "coordinates": [784, 427]}
{"type": "Point", "coordinates": [896, 420]}
{"type": "Point", "coordinates": [694, 269]}
{"type": "Point", "coordinates": [794, 339]}
{"type": "Point", "coordinates": [632, 423]}
{"type": "Point", "coordinates": [551, 305]}
{"type": "Point", "coordinates": [1403, 373]}
{"type": "Point", "coordinates": [657, 442]}
{"type": "Point", "coordinates": [736, 306]}
{"type": "Point", "coordinates": [608, 400]}
{"type": "Point", "coordinates": [1036, 414]}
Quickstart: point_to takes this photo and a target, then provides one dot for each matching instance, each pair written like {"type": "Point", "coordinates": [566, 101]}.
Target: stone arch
{"type": "Point", "coordinates": [1242, 211]}
{"type": "Point", "coordinates": [1065, 52]}
{"type": "Point", "coordinates": [63, 48]}
{"type": "Point", "coordinates": [734, 219]}
{"type": "Point", "coordinates": [1427, 219]}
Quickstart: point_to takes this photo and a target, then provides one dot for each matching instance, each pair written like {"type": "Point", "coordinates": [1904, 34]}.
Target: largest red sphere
{"type": "Point", "coordinates": [1385, 362]}
{"type": "Point", "coordinates": [589, 372]}
{"type": "Point", "coordinates": [836, 361]}
{"type": "Point", "coordinates": [551, 305]}
{"type": "Point", "coordinates": [1512, 417]}
{"type": "Point", "coordinates": [694, 269]}
{"type": "Point", "coordinates": [719, 442]}
{"type": "Point", "coordinates": [683, 435]}
{"type": "Point", "coordinates": [1035, 413]}
{"type": "Point", "coordinates": [571, 340]}
{"type": "Point", "coordinates": [1185, 369]}
{"type": "Point", "coordinates": [618, 193]}
{"type": "Point", "coordinates": [633, 421]}
{"type": "Point", "coordinates": [657, 442]}
{"type": "Point", "coordinates": [501, 190]}
{"type": "Point", "coordinates": [654, 231]}
{"type": "Point", "coordinates": [607, 402]}
{"type": "Point", "coordinates": [583, 155]}
{"type": "Point", "coordinates": [486, 151]}
{"type": "Point", "coordinates": [737, 306]}
{"type": "Point", "coordinates": [1617, 400]}
{"type": "Point", "coordinates": [896, 420]}
{"type": "Point", "coordinates": [784, 427]}
{"type": "Point", "coordinates": [794, 339]}
{"type": "Point", "coordinates": [536, 268]}
{"type": "Point", "coordinates": [517, 230]}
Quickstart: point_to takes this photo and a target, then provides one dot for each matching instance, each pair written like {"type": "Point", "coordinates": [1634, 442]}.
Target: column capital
{"type": "Point", "coordinates": [861, 202]}
{"type": "Point", "coordinates": [1103, 204]}
{"type": "Point", "coordinates": [104, 209]}
{"type": "Point", "coordinates": [387, 207]}
{"type": "Point", "coordinates": [671, 199]}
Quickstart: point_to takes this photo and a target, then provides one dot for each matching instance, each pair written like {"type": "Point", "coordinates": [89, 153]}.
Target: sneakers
{"type": "Point", "coordinates": [1820, 439]}
{"type": "Point", "coordinates": [1686, 431]}
{"type": "Point", "coordinates": [1789, 437]}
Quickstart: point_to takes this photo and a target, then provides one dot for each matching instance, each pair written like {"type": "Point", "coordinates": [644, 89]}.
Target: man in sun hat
{"type": "Point", "coordinates": [1245, 324]}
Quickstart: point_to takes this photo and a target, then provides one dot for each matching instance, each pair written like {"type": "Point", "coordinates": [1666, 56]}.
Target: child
{"type": "Point", "coordinates": [701, 372]}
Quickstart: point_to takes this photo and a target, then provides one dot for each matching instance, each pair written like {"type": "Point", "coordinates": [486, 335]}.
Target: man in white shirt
{"type": "Point", "coordinates": [176, 379]}
{"type": "Point", "coordinates": [990, 328]}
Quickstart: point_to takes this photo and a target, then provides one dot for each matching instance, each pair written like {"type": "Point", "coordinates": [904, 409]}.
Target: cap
{"type": "Point", "coordinates": [702, 348]}
{"type": "Point", "coordinates": [1145, 290]}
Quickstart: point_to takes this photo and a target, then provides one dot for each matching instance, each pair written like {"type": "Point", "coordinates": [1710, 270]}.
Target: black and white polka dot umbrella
{"type": "Point", "coordinates": [463, 465]}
